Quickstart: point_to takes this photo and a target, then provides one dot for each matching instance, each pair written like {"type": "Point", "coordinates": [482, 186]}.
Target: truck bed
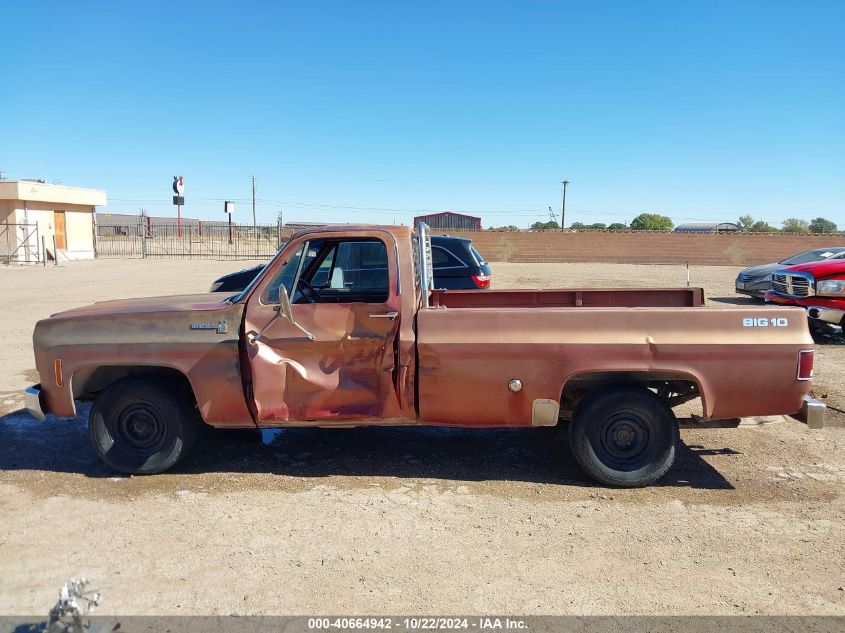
{"type": "Point", "coordinates": [466, 357]}
{"type": "Point", "coordinates": [572, 298]}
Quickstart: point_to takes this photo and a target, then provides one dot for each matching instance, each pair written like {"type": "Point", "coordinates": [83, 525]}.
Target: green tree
{"type": "Point", "coordinates": [796, 225]}
{"type": "Point", "coordinates": [509, 227]}
{"type": "Point", "coordinates": [578, 226]}
{"type": "Point", "coordinates": [652, 222]}
{"type": "Point", "coordinates": [545, 226]}
{"type": "Point", "coordinates": [617, 226]}
{"type": "Point", "coordinates": [822, 225]}
{"type": "Point", "coordinates": [762, 227]}
{"type": "Point", "coordinates": [745, 222]}
{"type": "Point", "coordinates": [598, 226]}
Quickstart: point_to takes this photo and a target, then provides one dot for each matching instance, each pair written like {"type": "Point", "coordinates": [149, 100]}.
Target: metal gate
{"type": "Point", "coordinates": [146, 237]}
{"type": "Point", "coordinates": [19, 243]}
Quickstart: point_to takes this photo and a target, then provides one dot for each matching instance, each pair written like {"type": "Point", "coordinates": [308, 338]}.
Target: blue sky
{"type": "Point", "coordinates": [373, 111]}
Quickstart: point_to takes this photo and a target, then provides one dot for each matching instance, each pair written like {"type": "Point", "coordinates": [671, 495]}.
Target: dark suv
{"type": "Point", "coordinates": [457, 266]}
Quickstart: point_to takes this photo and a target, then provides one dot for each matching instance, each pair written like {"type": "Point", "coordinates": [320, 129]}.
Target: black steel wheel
{"type": "Point", "coordinates": [624, 436]}
{"type": "Point", "coordinates": [142, 425]}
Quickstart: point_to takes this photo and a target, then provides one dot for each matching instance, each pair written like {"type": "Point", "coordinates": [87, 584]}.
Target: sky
{"type": "Point", "coordinates": [378, 111]}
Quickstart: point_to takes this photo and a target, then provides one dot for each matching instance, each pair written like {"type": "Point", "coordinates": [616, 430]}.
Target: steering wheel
{"type": "Point", "coordinates": [309, 292]}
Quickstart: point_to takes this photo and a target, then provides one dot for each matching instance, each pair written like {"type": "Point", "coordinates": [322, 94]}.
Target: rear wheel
{"type": "Point", "coordinates": [142, 425]}
{"type": "Point", "coordinates": [625, 436]}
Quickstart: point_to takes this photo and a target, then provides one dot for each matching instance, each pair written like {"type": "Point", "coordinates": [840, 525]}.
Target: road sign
{"type": "Point", "coordinates": [178, 185]}
{"type": "Point", "coordinates": [229, 207]}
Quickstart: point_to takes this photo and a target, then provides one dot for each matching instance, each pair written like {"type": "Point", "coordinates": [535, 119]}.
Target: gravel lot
{"type": "Point", "coordinates": [372, 521]}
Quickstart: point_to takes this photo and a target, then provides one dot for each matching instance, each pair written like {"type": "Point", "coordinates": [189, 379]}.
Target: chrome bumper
{"type": "Point", "coordinates": [812, 413]}
{"type": "Point", "coordinates": [32, 401]}
{"type": "Point", "coordinates": [828, 315]}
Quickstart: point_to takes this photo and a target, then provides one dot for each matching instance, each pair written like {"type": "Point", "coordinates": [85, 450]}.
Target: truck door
{"type": "Point", "coordinates": [344, 292]}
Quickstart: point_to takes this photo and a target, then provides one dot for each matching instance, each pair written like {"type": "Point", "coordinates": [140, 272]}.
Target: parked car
{"type": "Point", "coordinates": [756, 281]}
{"type": "Point", "coordinates": [378, 345]}
{"type": "Point", "coordinates": [457, 266]}
{"type": "Point", "coordinates": [818, 287]}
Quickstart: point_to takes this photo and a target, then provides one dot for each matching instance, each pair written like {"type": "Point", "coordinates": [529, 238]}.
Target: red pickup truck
{"type": "Point", "coordinates": [818, 287]}
{"type": "Point", "coordinates": [344, 328]}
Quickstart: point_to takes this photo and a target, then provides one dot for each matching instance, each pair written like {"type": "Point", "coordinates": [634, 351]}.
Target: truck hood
{"type": "Point", "coordinates": [821, 269]}
{"type": "Point", "coordinates": [208, 301]}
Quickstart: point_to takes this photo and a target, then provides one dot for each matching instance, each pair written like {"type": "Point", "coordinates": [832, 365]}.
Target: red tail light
{"type": "Point", "coordinates": [805, 364]}
{"type": "Point", "coordinates": [482, 281]}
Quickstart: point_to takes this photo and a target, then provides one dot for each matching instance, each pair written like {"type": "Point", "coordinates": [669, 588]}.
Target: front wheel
{"type": "Point", "coordinates": [625, 436]}
{"type": "Point", "coordinates": [142, 425]}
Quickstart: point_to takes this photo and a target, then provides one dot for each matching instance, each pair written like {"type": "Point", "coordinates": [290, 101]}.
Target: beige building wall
{"type": "Point", "coordinates": [24, 202]}
{"type": "Point", "coordinates": [6, 211]}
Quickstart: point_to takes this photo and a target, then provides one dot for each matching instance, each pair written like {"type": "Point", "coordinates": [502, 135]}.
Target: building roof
{"type": "Point", "coordinates": [462, 215]}
{"type": "Point", "coordinates": [706, 227]}
{"type": "Point", "coordinates": [40, 191]}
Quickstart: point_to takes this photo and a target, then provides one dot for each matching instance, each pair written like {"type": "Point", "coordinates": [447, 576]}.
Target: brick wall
{"type": "Point", "coordinates": [719, 249]}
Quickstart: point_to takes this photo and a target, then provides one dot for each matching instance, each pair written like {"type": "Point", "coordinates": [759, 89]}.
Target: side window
{"type": "Point", "coordinates": [441, 258]}
{"type": "Point", "coordinates": [350, 271]}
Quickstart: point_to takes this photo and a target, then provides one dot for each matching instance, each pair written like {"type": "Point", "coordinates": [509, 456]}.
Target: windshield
{"type": "Point", "coordinates": [816, 255]}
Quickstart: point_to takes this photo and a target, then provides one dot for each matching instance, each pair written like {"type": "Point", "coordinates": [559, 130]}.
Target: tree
{"type": "Point", "coordinates": [762, 227]}
{"type": "Point", "coordinates": [509, 227]}
{"type": "Point", "coordinates": [598, 226]}
{"type": "Point", "coordinates": [822, 225]}
{"type": "Point", "coordinates": [545, 226]}
{"type": "Point", "coordinates": [652, 222]}
{"type": "Point", "coordinates": [796, 225]}
{"type": "Point", "coordinates": [578, 226]}
{"type": "Point", "coordinates": [617, 226]}
{"type": "Point", "coordinates": [745, 222]}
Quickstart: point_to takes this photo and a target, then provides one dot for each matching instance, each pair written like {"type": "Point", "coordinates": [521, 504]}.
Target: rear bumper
{"type": "Point", "coordinates": [812, 413]}
{"type": "Point", "coordinates": [32, 401]}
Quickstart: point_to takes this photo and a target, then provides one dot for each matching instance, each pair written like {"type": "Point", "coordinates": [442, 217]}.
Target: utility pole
{"type": "Point", "coordinates": [563, 205]}
{"type": "Point", "coordinates": [254, 224]}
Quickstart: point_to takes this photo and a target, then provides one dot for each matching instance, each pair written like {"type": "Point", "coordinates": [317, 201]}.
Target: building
{"type": "Point", "coordinates": [447, 220]}
{"type": "Point", "coordinates": [34, 212]}
{"type": "Point", "coordinates": [707, 227]}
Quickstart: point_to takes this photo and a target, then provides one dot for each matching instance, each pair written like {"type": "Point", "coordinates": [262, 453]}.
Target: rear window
{"type": "Point", "coordinates": [478, 256]}
{"type": "Point", "coordinates": [441, 258]}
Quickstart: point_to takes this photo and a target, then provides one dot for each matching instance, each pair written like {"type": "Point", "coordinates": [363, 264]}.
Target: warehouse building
{"type": "Point", "coordinates": [447, 220]}
{"type": "Point", "coordinates": [34, 212]}
{"type": "Point", "coordinates": [707, 227]}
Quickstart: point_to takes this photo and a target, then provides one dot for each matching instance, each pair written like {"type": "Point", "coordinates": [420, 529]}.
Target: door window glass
{"type": "Point", "coordinates": [349, 271]}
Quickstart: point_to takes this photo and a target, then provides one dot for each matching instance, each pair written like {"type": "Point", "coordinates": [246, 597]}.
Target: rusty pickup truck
{"type": "Point", "coordinates": [344, 328]}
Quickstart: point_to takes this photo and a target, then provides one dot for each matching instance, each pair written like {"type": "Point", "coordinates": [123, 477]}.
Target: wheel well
{"type": "Point", "coordinates": [674, 388]}
{"type": "Point", "coordinates": [87, 382]}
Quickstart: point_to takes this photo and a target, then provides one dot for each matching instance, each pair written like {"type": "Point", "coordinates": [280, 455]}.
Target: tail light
{"type": "Point", "coordinates": [482, 281]}
{"type": "Point", "coordinates": [805, 364]}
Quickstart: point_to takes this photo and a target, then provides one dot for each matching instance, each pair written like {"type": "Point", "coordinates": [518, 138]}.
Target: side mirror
{"type": "Point", "coordinates": [284, 309]}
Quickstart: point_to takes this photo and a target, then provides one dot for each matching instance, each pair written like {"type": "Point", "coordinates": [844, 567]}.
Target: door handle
{"type": "Point", "coordinates": [389, 315]}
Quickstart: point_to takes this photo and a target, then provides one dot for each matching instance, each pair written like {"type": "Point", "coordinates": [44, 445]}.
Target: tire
{"type": "Point", "coordinates": [625, 436]}
{"type": "Point", "coordinates": [142, 425]}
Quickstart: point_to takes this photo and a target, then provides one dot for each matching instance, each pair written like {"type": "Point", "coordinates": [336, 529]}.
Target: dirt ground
{"type": "Point", "coordinates": [374, 521]}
